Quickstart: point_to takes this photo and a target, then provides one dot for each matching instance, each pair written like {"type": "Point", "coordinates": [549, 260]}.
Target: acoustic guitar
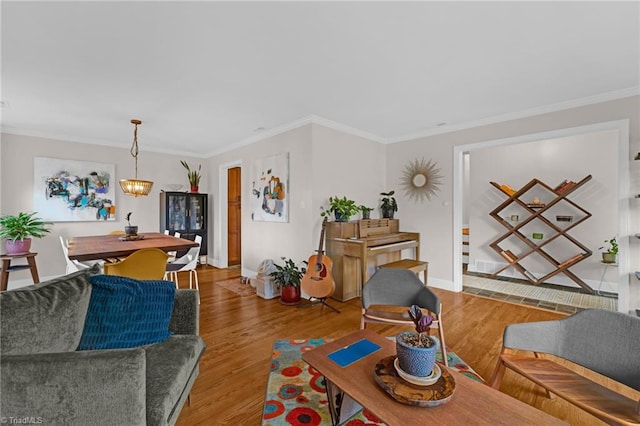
{"type": "Point", "coordinates": [317, 282]}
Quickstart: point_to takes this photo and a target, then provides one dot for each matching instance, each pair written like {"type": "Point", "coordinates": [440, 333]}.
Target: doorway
{"type": "Point", "coordinates": [460, 211]}
{"type": "Point", "coordinates": [234, 216]}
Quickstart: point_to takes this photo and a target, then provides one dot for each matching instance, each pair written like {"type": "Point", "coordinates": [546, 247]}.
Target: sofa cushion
{"type": "Point", "coordinates": [125, 313]}
{"type": "Point", "coordinates": [47, 317]}
{"type": "Point", "coordinates": [171, 365]}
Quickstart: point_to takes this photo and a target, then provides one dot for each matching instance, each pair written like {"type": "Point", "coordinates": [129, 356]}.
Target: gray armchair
{"type": "Point", "coordinates": [390, 289]}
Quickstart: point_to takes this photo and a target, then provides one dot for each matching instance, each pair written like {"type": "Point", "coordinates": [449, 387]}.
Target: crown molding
{"type": "Point", "coordinates": [309, 119]}
{"type": "Point", "coordinates": [91, 141]}
{"type": "Point", "coordinates": [574, 103]}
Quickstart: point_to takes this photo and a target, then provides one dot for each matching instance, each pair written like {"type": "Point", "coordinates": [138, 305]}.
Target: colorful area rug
{"type": "Point", "coordinates": [296, 392]}
{"type": "Point", "coordinates": [237, 286]}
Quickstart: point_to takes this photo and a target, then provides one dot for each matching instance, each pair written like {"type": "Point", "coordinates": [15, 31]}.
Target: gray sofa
{"type": "Point", "coordinates": [43, 379]}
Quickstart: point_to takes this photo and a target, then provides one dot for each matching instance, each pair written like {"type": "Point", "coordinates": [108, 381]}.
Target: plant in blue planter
{"type": "Point", "coordinates": [342, 208]}
{"type": "Point", "coordinates": [416, 349]}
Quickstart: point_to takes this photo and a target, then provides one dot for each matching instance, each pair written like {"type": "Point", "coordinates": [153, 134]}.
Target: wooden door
{"type": "Point", "coordinates": [234, 210]}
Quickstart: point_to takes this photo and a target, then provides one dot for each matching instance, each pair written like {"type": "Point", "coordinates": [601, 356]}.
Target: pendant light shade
{"type": "Point", "coordinates": [135, 187]}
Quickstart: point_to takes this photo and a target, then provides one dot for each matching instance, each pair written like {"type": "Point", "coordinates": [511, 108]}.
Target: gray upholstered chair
{"type": "Point", "coordinates": [603, 341]}
{"type": "Point", "coordinates": [390, 289]}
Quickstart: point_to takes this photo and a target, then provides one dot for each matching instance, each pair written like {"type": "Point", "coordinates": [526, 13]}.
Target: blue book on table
{"type": "Point", "coordinates": [353, 352]}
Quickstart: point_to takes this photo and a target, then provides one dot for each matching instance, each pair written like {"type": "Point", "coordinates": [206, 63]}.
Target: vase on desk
{"type": "Point", "coordinates": [194, 189]}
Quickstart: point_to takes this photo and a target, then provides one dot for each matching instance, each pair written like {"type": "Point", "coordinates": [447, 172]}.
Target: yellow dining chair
{"type": "Point", "coordinates": [145, 264]}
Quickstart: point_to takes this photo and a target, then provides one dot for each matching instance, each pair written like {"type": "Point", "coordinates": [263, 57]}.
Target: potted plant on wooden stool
{"type": "Point", "coordinates": [287, 277]}
{"type": "Point", "coordinates": [18, 230]}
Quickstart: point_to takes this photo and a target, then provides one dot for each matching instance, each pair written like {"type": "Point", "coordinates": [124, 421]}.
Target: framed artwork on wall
{"type": "Point", "coordinates": [71, 190]}
{"type": "Point", "coordinates": [269, 199]}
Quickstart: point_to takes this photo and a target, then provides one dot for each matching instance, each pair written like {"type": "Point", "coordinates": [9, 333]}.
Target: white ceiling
{"type": "Point", "coordinates": [204, 76]}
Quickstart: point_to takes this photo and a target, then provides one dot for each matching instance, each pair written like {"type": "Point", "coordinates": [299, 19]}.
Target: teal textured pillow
{"type": "Point", "coordinates": [125, 313]}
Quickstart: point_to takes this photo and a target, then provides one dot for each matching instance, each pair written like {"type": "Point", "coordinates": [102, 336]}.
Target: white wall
{"type": "Point", "coordinates": [16, 192]}
{"type": "Point", "coordinates": [434, 220]}
{"type": "Point", "coordinates": [322, 162]}
{"type": "Point", "coordinates": [550, 161]}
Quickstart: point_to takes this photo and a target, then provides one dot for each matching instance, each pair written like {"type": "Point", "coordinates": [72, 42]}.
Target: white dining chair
{"type": "Point", "coordinates": [74, 265]}
{"type": "Point", "coordinates": [188, 262]}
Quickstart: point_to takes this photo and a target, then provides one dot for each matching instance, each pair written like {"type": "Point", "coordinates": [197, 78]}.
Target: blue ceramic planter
{"type": "Point", "coordinates": [416, 361]}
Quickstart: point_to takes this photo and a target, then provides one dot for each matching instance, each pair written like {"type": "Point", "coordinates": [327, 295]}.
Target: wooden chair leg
{"type": "Point", "coordinates": [443, 345]}
{"type": "Point", "coordinates": [546, 391]}
{"type": "Point", "coordinates": [498, 373]}
{"type": "Point", "coordinates": [363, 323]}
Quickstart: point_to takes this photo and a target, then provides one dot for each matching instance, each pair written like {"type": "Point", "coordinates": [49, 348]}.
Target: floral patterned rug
{"type": "Point", "coordinates": [296, 392]}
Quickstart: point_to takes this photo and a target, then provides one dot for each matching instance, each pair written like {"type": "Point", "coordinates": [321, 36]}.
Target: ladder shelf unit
{"type": "Point", "coordinates": [537, 213]}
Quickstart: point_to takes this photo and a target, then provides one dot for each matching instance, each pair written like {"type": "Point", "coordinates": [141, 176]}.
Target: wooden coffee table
{"type": "Point", "coordinates": [472, 402]}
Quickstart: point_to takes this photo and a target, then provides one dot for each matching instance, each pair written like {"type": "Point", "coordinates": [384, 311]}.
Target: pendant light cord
{"type": "Point", "coordinates": [134, 147]}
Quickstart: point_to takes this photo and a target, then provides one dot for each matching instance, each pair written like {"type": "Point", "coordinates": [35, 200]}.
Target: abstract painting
{"type": "Point", "coordinates": [70, 190]}
{"type": "Point", "coordinates": [269, 199]}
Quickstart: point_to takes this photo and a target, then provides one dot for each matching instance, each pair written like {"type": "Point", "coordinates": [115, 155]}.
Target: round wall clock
{"type": "Point", "coordinates": [421, 179]}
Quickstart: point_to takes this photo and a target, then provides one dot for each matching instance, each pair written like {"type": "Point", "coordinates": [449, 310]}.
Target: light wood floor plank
{"type": "Point", "coordinates": [240, 331]}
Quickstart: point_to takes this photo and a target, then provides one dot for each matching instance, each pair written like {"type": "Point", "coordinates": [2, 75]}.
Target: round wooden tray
{"type": "Point", "coordinates": [402, 391]}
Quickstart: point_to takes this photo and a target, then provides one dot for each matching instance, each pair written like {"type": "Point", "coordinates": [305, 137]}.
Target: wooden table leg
{"type": "Point", "coordinates": [34, 269]}
{"type": "Point", "coordinates": [4, 277]}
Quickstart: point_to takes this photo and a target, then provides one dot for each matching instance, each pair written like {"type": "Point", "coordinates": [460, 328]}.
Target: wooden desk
{"type": "Point", "coordinates": [472, 402]}
{"type": "Point", "coordinates": [109, 246]}
{"type": "Point", "coordinates": [6, 268]}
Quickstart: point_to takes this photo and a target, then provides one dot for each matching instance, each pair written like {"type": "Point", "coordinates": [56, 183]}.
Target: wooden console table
{"type": "Point", "coordinates": [7, 267]}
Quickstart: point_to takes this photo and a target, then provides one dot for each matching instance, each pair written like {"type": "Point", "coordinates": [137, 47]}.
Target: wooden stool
{"type": "Point", "coordinates": [6, 267]}
{"type": "Point", "coordinates": [415, 266]}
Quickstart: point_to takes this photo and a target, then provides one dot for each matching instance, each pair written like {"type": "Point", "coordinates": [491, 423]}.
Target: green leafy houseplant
{"type": "Point", "coordinates": [342, 208]}
{"type": "Point", "coordinates": [193, 175]}
{"type": "Point", "coordinates": [288, 274]}
{"type": "Point", "coordinates": [366, 211]}
{"type": "Point", "coordinates": [22, 226]}
{"type": "Point", "coordinates": [388, 204]}
{"type": "Point", "coordinates": [609, 256]}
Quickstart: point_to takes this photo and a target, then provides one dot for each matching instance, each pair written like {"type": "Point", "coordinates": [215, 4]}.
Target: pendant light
{"type": "Point", "coordinates": [135, 187]}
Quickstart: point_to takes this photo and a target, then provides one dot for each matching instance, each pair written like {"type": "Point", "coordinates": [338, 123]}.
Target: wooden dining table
{"type": "Point", "coordinates": [99, 247]}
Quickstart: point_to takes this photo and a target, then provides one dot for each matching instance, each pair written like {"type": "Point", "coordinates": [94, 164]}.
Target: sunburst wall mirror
{"type": "Point", "coordinates": [421, 179]}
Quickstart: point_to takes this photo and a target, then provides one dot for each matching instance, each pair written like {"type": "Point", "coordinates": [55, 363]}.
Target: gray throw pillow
{"type": "Point", "coordinates": [47, 317]}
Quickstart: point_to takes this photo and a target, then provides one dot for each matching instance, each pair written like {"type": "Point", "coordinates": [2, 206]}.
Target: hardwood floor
{"type": "Point", "coordinates": [239, 333]}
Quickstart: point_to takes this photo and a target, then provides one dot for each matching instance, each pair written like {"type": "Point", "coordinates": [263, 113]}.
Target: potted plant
{"type": "Point", "coordinates": [130, 229]}
{"type": "Point", "coordinates": [287, 277]}
{"type": "Point", "coordinates": [609, 256]}
{"type": "Point", "coordinates": [416, 349]}
{"type": "Point", "coordinates": [366, 211]}
{"type": "Point", "coordinates": [342, 208]}
{"type": "Point", "coordinates": [388, 205]}
{"type": "Point", "coordinates": [18, 230]}
{"type": "Point", "coordinates": [193, 175]}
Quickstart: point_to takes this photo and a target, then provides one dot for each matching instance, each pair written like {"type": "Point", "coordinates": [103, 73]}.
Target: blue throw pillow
{"type": "Point", "coordinates": [125, 313]}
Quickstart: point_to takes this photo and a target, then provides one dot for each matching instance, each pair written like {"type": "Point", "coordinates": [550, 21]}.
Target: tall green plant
{"type": "Point", "coordinates": [193, 175]}
{"type": "Point", "coordinates": [21, 226]}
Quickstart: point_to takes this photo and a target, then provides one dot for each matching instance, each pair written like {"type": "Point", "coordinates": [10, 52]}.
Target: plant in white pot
{"type": "Point", "coordinates": [609, 256]}
{"type": "Point", "coordinates": [416, 350]}
{"type": "Point", "coordinates": [18, 230]}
